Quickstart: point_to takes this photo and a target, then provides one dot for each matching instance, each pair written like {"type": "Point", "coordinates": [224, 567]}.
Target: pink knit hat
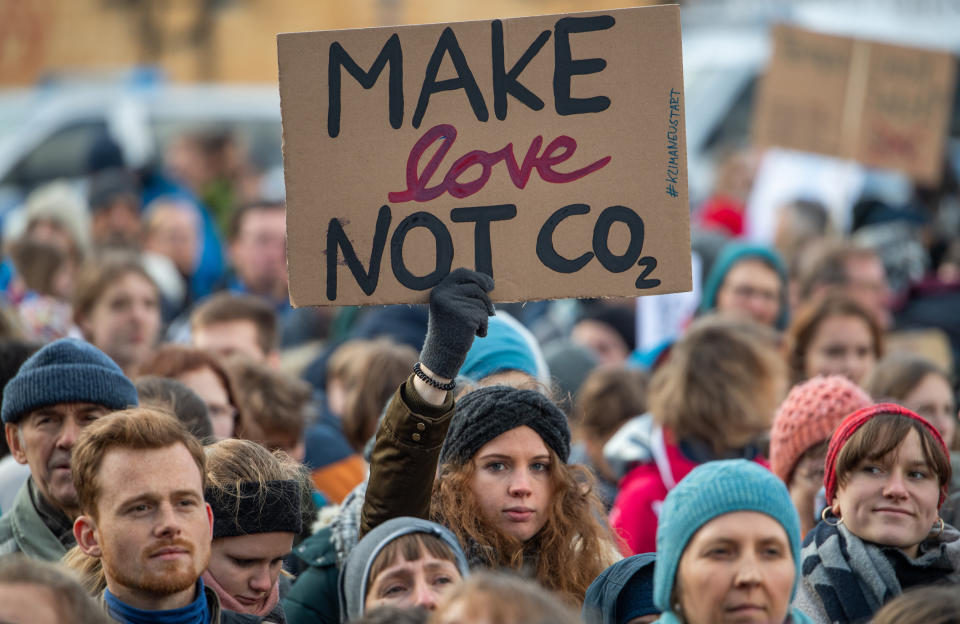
{"type": "Point", "coordinates": [808, 416]}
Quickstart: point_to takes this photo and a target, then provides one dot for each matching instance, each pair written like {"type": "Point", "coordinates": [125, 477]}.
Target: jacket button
{"type": "Point", "coordinates": [421, 427]}
{"type": "Point", "coordinates": [416, 437]}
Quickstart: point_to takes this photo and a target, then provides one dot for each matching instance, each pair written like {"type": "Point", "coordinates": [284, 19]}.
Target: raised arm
{"type": "Point", "coordinates": [404, 461]}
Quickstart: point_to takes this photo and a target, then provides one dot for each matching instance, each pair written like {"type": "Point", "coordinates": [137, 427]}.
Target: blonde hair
{"type": "Point", "coordinates": [721, 384]}
{"type": "Point", "coordinates": [505, 599]}
{"type": "Point", "coordinates": [232, 462]}
{"type": "Point", "coordinates": [89, 570]}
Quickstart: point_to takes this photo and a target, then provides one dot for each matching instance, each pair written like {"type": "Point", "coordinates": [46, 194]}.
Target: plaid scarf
{"type": "Point", "coordinates": [345, 527]}
{"type": "Point", "coordinates": [852, 579]}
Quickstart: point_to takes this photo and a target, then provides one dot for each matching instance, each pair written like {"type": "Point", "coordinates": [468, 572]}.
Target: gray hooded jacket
{"type": "Point", "coordinates": [353, 581]}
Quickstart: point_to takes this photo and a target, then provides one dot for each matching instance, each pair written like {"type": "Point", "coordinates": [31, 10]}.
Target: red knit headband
{"type": "Point", "coordinates": [852, 423]}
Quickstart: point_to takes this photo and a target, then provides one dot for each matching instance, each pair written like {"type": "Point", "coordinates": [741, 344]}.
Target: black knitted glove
{"type": "Point", "coordinates": [459, 307]}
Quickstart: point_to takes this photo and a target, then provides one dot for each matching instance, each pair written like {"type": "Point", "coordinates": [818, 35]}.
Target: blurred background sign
{"type": "Point", "coordinates": [210, 40]}
{"type": "Point", "coordinates": [882, 105]}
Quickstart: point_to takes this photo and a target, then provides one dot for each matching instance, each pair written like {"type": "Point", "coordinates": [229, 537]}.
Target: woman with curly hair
{"type": "Point", "coordinates": [504, 487]}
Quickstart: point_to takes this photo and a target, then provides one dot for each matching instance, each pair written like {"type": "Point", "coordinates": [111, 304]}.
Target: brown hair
{"type": "Point", "coordinates": [371, 371]}
{"type": "Point", "coordinates": [231, 462]}
{"type": "Point", "coordinates": [928, 604]}
{"type": "Point", "coordinates": [409, 547]}
{"type": "Point", "coordinates": [38, 262]}
{"type": "Point", "coordinates": [825, 264]}
{"type": "Point", "coordinates": [72, 603]}
{"type": "Point", "coordinates": [177, 398]}
{"type": "Point", "coordinates": [506, 599]}
{"type": "Point", "coordinates": [895, 377]}
{"type": "Point", "coordinates": [273, 402]}
{"type": "Point", "coordinates": [173, 360]}
{"type": "Point", "coordinates": [721, 384]}
{"type": "Point", "coordinates": [880, 436]}
{"type": "Point", "coordinates": [139, 428]}
{"type": "Point", "coordinates": [805, 325]}
{"type": "Point", "coordinates": [573, 547]}
{"type": "Point", "coordinates": [608, 398]}
{"type": "Point", "coordinates": [87, 568]}
{"type": "Point", "coordinates": [97, 276]}
{"type": "Point", "coordinates": [227, 307]}
{"type": "Point", "coordinates": [898, 374]}
{"type": "Point", "coordinates": [240, 213]}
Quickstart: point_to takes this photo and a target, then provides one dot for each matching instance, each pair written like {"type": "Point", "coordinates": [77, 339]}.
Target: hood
{"type": "Point", "coordinates": [630, 446]}
{"type": "Point", "coordinates": [353, 581]}
{"type": "Point", "coordinates": [601, 600]}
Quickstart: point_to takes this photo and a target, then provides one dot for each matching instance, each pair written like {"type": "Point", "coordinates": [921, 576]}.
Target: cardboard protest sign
{"type": "Point", "coordinates": [546, 151]}
{"type": "Point", "coordinates": [883, 105]}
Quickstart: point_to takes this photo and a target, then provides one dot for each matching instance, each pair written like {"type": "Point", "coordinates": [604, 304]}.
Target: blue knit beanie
{"type": "Point", "coordinates": [710, 490]}
{"type": "Point", "coordinates": [67, 371]}
{"type": "Point", "coordinates": [504, 348]}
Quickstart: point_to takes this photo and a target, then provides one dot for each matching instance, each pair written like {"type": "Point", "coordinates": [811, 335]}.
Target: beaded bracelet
{"type": "Point", "coordinates": [450, 385]}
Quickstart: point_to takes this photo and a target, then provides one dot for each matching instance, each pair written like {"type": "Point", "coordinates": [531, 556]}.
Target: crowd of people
{"type": "Point", "coordinates": [182, 445]}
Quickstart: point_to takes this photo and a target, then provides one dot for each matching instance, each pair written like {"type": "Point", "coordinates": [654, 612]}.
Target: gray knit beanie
{"type": "Point", "coordinates": [67, 371]}
{"type": "Point", "coordinates": [484, 414]}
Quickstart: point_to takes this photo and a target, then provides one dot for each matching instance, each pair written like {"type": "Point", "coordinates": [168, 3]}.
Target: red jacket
{"type": "Point", "coordinates": [636, 509]}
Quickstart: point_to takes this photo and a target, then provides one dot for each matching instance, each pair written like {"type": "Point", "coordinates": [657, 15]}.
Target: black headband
{"type": "Point", "coordinates": [255, 507]}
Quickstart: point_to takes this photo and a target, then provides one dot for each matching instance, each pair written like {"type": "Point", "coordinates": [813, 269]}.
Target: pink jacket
{"type": "Point", "coordinates": [636, 509]}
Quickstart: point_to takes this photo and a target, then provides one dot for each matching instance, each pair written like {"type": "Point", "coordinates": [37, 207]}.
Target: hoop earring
{"type": "Point", "coordinates": [826, 518]}
{"type": "Point", "coordinates": [939, 527]}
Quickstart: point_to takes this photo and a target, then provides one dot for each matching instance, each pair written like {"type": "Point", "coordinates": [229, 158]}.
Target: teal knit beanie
{"type": "Point", "coordinates": [710, 490]}
{"type": "Point", "coordinates": [731, 254]}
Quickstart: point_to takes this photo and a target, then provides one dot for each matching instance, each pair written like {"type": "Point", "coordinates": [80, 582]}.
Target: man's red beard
{"type": "Point", "coordinates": [156, 576]}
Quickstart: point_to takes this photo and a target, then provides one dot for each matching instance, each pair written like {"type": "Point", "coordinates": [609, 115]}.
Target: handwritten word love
{"type": "Point", "coordinates": [557, 151]}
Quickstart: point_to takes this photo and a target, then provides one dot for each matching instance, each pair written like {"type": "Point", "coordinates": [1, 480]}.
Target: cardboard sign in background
{"type": "Point", "coordinates": [369, 223]}
{"type": "Point", "coordinates": [883, 105]}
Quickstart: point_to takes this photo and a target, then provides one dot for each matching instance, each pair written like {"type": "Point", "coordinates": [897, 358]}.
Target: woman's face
{"type": "Point", "coordinates": [751, 288]}
{"type": "Point", "coordinates": [933, 399]}
{"type": "Point", "coordinates": [737, 568]}
{"type": "Point", "coordinates": [605, 343]}
{"type": "Point", "coordinates": [247, 566]}
{"type": "Point", "coordinates": [209, 387]}
{"type": "Point", "coordinates": [891, 501]}
{"type": "Point", "coordinates": [418, 583]}
{"type": "Point", "coordinates": [511, 482]}
{"type": "Point", "coordinates": [842, 345]}
{"type": "Point", "coordinates": [125, 321]}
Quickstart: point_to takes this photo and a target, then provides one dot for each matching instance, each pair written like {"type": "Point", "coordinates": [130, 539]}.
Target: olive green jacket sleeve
{"type": "Point", "coordinates": [405, 455]}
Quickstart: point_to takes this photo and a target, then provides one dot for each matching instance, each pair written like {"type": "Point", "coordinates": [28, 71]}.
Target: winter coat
{"type": "Point", "coordinates": [405, 456]}
{"type": "Point", "coordinates": [22, 529]}
{"type": "Point", "coordinates": [636, 510]}
{"type": "Point", "coordinates": [313, 597]}
{"type": "Point", "coordinates": [600, 603]}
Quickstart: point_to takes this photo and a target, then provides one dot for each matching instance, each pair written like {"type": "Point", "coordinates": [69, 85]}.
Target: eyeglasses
{"type": "Point", "coordinates": [745, 291]}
